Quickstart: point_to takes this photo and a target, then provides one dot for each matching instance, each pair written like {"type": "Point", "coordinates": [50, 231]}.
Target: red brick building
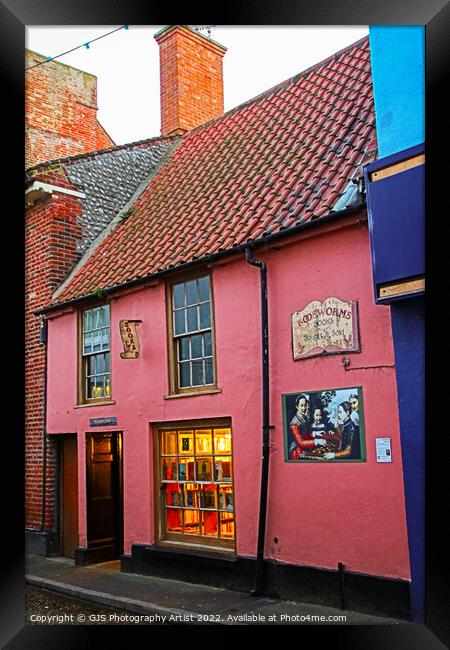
{"type": "Point", "coordinates": [72, 194]}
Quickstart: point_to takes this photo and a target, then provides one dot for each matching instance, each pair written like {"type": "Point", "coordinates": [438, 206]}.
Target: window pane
{"type": "Point", "coordinates": [192, 319]}
{"type": "Point", "coordinates": [185, 375]}
{"type": "Point", "coordinates": [105, 338]}
{"type": "Point", "coordinates": [197, 373]}
{"type": "Point", "coordinates": [222, 469]}
{"type": "Point", "coordinates": [186, 443]}
{"type": "Point", "coordinates": [203, 441]}
{"type": "Point", "coordinates": [87, 343]}
{"type": "Point", "coordinates": [207, 341]}
{"type": "Point", "coordinates": [191, 292]}
{"type": "Point", "coordinates": [204, 469]}
{"type": "Point", "coordinates": [106, 355]}
{"type": "Point", "coordinates": [91, 387]}
{"type": "Point", "coordinates": [169, 443]}
{"type": "Point", "coordinates": [173, 520]}
{"type": "Point", "coordinates": [183, 348]}
{"type": "Point", "coordinates": [91, 365]}
{"type": "Point", "coordinates": [191, 522]}
{"type": "Point", "coordinates": [179, 324]}
{"type": "Point", "coordinates": [97, 317]}
{"type": "Point", "coordinates": [209, 376]}
{"type": "Point", "coordinates": [203, 289]}
{"type": "Point", "coordinates": [178, 295]}
{"type": "Point", "coordinates": [96, 341]}
{"type": "Point", "coordinates": [100, 364]}
{"type": "Point", "coordinates": [205, 315]}
{"type": "Point", "coordinates": [222, 441]}
{"type": "Point", "coordinates": [108, 385]}
{"type": "Point", "coordinates": [105, 309]}
{"type": "Point", "coordinates": [87, 321]}
{"type": "Point", "coordinates": [227, 525]}
{"type": "Point", "coordinates": [196, 347]}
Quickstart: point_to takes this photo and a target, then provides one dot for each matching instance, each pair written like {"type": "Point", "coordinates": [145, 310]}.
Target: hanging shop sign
{"type": "Point", "coordinates": [130, 339]}
{"type": "Point", "coordinates": [324, 426]}
{"type": "Point", "coordinates": [327, 327]}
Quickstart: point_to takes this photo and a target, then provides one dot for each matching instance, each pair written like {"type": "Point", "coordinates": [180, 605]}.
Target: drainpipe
{"type": "Point", "coordinates": [43, 340]}
{"type": "Point", "coordinates": [259, 577]}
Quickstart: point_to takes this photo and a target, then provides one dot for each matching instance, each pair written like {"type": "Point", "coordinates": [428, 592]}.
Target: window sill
{"type": "Point", "coordinates": [100, 403]}
{"type": "Point", "coordinates": [194, 548]}
{"type": "Point", "coordinates": [195, 393]}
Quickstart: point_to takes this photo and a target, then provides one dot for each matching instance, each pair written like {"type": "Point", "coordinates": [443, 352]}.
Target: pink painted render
{"type": "Point", "coordinates": [321, 514]}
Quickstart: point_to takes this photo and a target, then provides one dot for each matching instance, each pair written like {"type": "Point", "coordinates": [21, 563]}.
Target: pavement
{"type": "Point", "coordinates": [173, 602]}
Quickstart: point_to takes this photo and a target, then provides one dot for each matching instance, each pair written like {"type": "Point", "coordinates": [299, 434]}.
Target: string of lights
{"type": "Point", "coordinates": [86, 45]}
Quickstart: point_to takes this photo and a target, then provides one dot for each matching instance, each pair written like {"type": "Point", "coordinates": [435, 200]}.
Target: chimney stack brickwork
{"type": "Point", "coordinates": [60, 111]}
{"type": "Point", "coordinates": [191, 79]}
{"type": "Point", "coordinates": [60, 121]}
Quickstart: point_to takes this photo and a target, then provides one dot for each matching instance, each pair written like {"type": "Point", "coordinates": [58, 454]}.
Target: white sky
{"type": "Point", "coordinates": [126, 64]}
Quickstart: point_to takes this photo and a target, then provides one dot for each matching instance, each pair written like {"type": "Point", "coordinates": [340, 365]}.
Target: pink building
{"type": "Point", "coordinates": [184, 448]}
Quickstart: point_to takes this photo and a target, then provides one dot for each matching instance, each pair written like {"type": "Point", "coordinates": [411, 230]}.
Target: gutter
{"type": "Point", "coordinates": [238, 248]}
{"type": "Point", "coordinates": [259, 577]}
{"type": "Point", "coordinates": [43, 339]}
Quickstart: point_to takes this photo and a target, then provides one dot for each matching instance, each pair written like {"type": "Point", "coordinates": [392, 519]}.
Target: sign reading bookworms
{"type": "Point", "coordinates": [326, 327]}
{"type": "Point", "coordinates": [130, 339]}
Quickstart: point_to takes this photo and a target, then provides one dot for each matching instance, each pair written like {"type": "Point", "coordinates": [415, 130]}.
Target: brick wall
{"type": "Point", "coordinates": [51, 233]}
{"type": "Point", "coordinates": [191, 79]}
{"type": "Point", "coordinates": [60, 111]}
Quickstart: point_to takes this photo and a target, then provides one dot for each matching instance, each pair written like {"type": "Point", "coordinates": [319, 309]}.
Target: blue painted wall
{"type": "Point", "coordinates": [398, 77]}
{"type": "Point", "coordinates": [408, 329]}
{"type": "Point", "coordinates": [398, 74]}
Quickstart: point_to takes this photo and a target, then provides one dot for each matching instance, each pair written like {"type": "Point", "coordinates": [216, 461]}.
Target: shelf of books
{"type": "Point", "coordinates": [197, 482]}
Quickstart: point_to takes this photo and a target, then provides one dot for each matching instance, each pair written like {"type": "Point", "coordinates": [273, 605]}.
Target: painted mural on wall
{"type": "Point", "coordinates": [325, 327]}
{"type": "Point", "coordinates": [326, 425]}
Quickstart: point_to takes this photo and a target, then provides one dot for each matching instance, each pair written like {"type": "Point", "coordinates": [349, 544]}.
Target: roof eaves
{"type": "Point", "coordinates": [332, 216]}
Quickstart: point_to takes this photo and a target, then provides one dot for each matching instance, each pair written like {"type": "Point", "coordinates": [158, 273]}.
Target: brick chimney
{"type": "Point", "coordinates": [191, 78]}
{"type": "Point", "coordinates": [60, 111]}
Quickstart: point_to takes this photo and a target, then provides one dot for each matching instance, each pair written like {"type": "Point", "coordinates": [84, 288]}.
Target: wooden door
{"type": "Point", "coordinates": [104, 495]}
{"type": "Point", "coordinates": [69, 495]}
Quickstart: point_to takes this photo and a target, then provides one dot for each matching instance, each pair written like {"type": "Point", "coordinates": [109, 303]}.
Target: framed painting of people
{"type": "Point", "coordinates": [324, 425]}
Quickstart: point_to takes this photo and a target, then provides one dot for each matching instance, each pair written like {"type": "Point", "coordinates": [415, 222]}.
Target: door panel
{"type": "Point", "coordinates": [69, 495]}
{"type": "Point", "coordinates": [104, 493]}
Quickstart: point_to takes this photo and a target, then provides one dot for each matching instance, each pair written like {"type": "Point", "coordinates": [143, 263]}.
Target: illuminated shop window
{"type": "Point", "coordinates": [196, 473]}
{"type": "Point", "coordinates": [95, 354]}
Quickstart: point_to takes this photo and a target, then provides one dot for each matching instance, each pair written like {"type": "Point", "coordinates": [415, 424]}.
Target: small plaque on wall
{"type": "Point", "coordinates": [130, 339]}
{"type": "Point", "coordinates": [325, 327]}
{"type": "Point", "coordinates": [102, 422]}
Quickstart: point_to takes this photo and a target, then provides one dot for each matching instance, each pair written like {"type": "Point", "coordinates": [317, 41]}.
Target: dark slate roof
{"type": "Point", "coordinates": [279, 160]}
{"type": "Point", "coordinates": [110, 178]}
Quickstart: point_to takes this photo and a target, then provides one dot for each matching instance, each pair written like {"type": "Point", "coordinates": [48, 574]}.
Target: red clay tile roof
{"type": "Point", "coordinates": [278, 160]}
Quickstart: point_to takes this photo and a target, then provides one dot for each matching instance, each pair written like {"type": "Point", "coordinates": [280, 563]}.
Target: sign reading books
{"type": "Point", "coordinates": [327, 327]}
{"type": "Point", "coordinates": [130, 339]}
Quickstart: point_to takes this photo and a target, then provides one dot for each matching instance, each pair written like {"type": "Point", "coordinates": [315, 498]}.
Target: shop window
{"type": "Point", "coordinates": [192, 337]}
{"type": "Point", "coordinates": [95, 372]}
{"type": "Point", "coordinates": [196, 477]}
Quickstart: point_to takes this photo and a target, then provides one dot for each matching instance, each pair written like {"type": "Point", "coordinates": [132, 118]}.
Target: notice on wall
{"type": "Point", "coordinates": [325, 327]}
{"type": "Point", "coordinates": [383, 450]}
{"type": "Point", "coordinates": [130, 339]}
